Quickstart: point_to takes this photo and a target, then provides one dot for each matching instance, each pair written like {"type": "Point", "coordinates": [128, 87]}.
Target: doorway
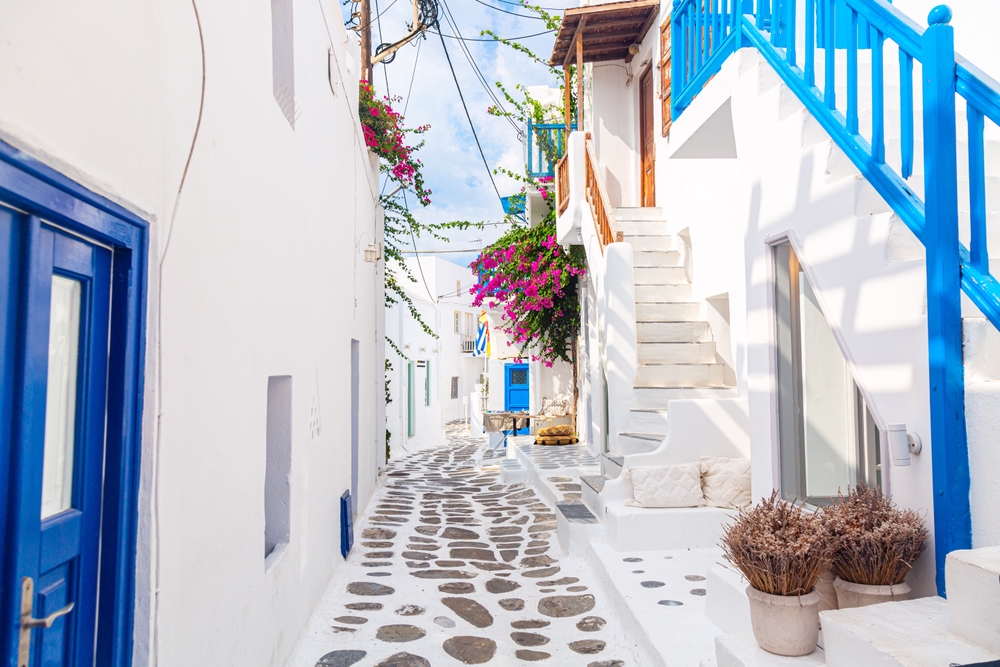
{"type": "Point", "coordinates": [355, 420]}
{"type": "Point", "coordinates": [647, 138]}
{"type": "Point", "coordinates": [72, 277]}
{"type": "Point", "coordinates": [516, 392]}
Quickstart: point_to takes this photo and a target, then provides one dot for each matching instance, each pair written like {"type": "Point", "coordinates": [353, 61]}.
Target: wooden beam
{"type": "Point", "coordinates": [567, 102]}
{"type": "Point", "coordinates": [612, 8]}
{"type": "Point", "coordinates": [642, 34]}
{"type": "Point", "coordinates": [366, 41]}
{"type": "Point", "coordinates": [577, 32]}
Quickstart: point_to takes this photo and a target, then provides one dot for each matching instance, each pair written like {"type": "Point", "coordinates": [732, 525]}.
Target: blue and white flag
{"type": "Point", "coordinates": [482, 336]}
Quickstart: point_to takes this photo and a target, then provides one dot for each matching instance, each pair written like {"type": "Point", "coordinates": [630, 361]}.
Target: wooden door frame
{"type": "Point", "coordinates": [38, 190]}
{"type": "Point", "coordinates": [646, 72]}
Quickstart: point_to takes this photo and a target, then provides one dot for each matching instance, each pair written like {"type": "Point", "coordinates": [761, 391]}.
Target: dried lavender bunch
{"type": "Point", "coordinates": [778, 547]}
{"type": "Point", "coordinates": [876, 542]}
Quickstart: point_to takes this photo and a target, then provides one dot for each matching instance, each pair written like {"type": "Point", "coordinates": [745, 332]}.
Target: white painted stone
{"type": "Point", "coordinates": [727, 604]}
{"type": "Point", "coordinates": [973, 577]}
{"type": "Point", "coordinates": [742, 650]}
{"type": "Point", "coordinates": [914, 633]}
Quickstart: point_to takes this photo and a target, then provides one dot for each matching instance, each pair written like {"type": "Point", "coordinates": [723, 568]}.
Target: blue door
{"type": "Point", "coordinates": [515, 390]}
{"type": "Point", "coordinates": [54, 342]}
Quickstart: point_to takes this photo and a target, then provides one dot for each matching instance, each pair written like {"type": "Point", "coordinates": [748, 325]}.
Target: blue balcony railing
{"type": "Point", "coordinates": [706, 32]}
{"type": "Point", "coordinates": [546, 144]}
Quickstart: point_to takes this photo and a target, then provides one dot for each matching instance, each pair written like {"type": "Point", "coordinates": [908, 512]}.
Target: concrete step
{"type": "Point", "coordinates": [667, 311]}
{"type": "Point", "coordinates": [651, 243]}
{"type": "Point", "coordinates": [673, 332]}
{"type": "Point", "coordinates": [974, 595]}
{"type": "Point", "coordinates": [643, 228]}
{"type": "Point", "coordinates": [633, 442]}
{"type": "Point", "coordinates": [676, 353]}
{"type": "Point", "coordinates": [742, 650]}
{"type": "Point", "coordinates": [655, 258]}
{"type": "Point", "coordinates": [677, 375]}
{"type": "Point", "coordinates": [653, 397]}
{"type": "Point", "coordinates": [592, 485]}
{"type": "Point", "coordinates": [911, 633]}
{"type": "Point", "coordinates": [648, 420]}
{"type": "Point", "coordinates": [661, 293]}
{"type": "Point", "coordinates": [611, 465]}
{"type": "Point", "coordinates": [661, 275]}
{"type": "Point", "coordinates": [626, 213]}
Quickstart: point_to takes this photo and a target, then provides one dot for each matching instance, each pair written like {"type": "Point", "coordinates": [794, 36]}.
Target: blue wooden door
{"type": "Point", "coordinates": [60, 285]}
{"type": "Point", "coordinates": [516, 395]}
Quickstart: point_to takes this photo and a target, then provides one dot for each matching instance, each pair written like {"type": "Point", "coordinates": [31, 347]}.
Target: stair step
{"type": "Point", "coordinates": [660, 275]}
{"type": "Point", "coordinates": [973, 595]}
{"type": "Point", "coordinates": [679, 375]}
{"type": "Point", "coordinates": [667, 311]}
{"type": "Point", "coordinates": [596, 482]}
{"type": "Point", "coordinates": [655, 258]}
{"type": "Point", "coordinates": [647, 293]}
{"type": "Point", "coordinates": [676, 353]}
{"type": "Point", "coordinates": [576, 512]}
{"type": "Point", "coordinates": [910, 633]}
{"type": "Point", "coordinates": [643, 228]}
{"type": "Point", "coordinates": [638, 443]}
{"type": "Point", "coordinates": [612, 465]}
{"type": "Point", "coordinates": [650, 420]}
{"type": "Point", "coordinates": [654, 243]}
{"type": "Point", "coordinates": [657, 397]}
{"type": "Point", "coordinates": [626, 213]}
{"type": "Point", "coordinates": [663, 332]}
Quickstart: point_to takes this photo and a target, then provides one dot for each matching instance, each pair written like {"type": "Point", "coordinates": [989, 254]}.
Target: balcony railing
{"type": "Point", "coordinates": [546, 144]}
{"type": "Point", "coordinates": [468, 343]}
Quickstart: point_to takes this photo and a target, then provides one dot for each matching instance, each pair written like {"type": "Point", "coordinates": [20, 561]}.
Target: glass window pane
{"type": "Point", "coordinates": [60, 400]}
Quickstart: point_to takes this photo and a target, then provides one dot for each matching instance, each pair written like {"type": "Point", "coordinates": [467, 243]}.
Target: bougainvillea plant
{"type": "Point", "coordinates": [534, 280]}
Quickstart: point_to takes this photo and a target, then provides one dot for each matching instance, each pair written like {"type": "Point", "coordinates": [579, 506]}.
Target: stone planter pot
{"type": "Point", "coordinates": [850, 595]}
{"type": "Point", "coordinates": [785, 625]}
{"type": "Point", "coordinates": [827, 591]}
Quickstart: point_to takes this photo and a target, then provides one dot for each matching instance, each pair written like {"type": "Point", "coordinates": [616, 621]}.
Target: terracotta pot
{"type": "Point", "coordinates": [850, 595]}
{"type": "Point", "coordinates": [785, 625]}
{"type": "Point", "coordinates": [827, 591]}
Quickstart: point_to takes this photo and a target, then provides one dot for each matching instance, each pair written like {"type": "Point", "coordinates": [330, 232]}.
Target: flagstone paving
{"type": "Point", "coordinates": [451, 567]}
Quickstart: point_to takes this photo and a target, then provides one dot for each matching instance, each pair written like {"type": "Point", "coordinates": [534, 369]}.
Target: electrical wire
{"type": "Point", "coordinates": [494, 39]}
{"type": "Point", "coordinates": [498, 9]}
{"type": "Point", "coordinates": [451, 67]}
{"type": "Point", "coordinates": [362, 27]}
{"type": "Point", "coordinates": [547, 9]}
{"type": "Point", "coordinates": [450, 19]}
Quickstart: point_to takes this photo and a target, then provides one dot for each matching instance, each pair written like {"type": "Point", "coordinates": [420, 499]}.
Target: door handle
{"type": "Point", "coordinates": [29, 622]}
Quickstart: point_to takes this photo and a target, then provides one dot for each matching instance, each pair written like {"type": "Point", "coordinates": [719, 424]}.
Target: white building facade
{"type": "Point", "coordinates": [185, 202]}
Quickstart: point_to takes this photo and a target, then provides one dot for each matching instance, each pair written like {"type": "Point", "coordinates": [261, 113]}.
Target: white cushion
{"type": "Point", "coordinates": [666, 486]}
{"type": "Point", "coordinates": [726, 482]}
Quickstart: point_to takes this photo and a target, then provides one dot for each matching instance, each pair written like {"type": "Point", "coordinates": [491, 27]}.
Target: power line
{"type": "Point", "coordinates": [468, 116]}
{"type": "Point", "coordinates": [498, 9]}
{"type": "Point", "coordinates": [494, 39]}
{"type": "Point", "coordinates": [547, 9]}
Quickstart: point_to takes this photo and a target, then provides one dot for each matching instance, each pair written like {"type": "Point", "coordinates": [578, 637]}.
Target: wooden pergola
{"type": "Point", "coordinates": [599, 33]}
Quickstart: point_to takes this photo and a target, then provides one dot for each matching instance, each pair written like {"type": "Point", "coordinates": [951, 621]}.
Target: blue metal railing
{"type": "Point", "coordinates": [707, 32]}
{"type": "Point", "coordinates": [546, 144]}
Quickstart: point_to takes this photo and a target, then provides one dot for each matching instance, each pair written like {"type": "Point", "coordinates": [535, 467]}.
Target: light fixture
{"type": "Point", "coordinates": [902, 444]}
{"type": "Point", "coordinates": [634, 49]}
{"type": "Point", "coordinates": [373, 252]}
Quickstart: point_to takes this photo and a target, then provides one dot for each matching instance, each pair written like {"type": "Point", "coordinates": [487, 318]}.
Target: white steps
{"type": "Point", "coordinates": [671, 332]}
{"type": "Point", "coordinates": [656, 258]}
{"type": "Point", "coordinates": [973, 578]}
{"type": "Point", "coordinates": [626, 214]}
{"type": "Point", "coordinates": [667, 311]}
{"type": "Point", "coordinates": [660, 293]}
{"type": "Point", "coordinates": [677, 375]}
{"type": "Point", "coordinates": [632, 442]}
{"type": "Point", "coordinates": [662, 275]}
{"type": "Point", "coordinates": [676, 353]}
{"type": "Point", "coordinates": [656, 397]}
{"type": "Point", "coordinates": [653, 420]}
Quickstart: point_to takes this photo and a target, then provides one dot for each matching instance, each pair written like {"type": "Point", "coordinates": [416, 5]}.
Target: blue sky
{"type": "Point", "coordinates": [453, 168]}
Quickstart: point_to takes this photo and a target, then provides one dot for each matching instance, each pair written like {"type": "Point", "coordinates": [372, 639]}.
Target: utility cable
{"type": "Point", "coordinates": [469, 117]}
{"type": "Point", "coordinates": [498, 9]}
{"type": "Point", "coordinates": [380, 13]}
{"type": "Point", "coordinates": [413, 240]}
{"type": "Point", "coordinates": [449, 17]}
{"type": "Point", "coordinates": [528, 6]}
{"type": "Point", "coordinates": [494, 39]}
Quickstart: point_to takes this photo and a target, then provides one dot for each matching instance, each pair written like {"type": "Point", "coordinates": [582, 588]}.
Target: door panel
{"type": "Point", "coordinates": [516, 390]}
{"type": "Point", "coordinates": [57, 445]}
{"type": "Point", "coordinates": [647, 138]}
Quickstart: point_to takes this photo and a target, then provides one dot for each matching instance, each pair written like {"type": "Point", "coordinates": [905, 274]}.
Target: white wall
{"type": "Point", "coordinates": [258, 274]}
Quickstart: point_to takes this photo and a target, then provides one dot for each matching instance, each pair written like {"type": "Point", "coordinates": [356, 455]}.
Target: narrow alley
{"type": "Point", "coordinates": [452, 565]}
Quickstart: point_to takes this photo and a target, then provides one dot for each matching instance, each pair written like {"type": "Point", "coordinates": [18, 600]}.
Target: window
{"type": "Point", "coordinates": [519, 376]}
{"type": "Point", "coordinates": [458, 288]}
{"type": "Point", "coordinates": [454, 386]}
{"type": "Point", "coordinates": [457, 320]}
{"type": "Point", "coordinates": [277, 483]}
{"type": "Point", "coordinates": [282, 58]}
{"type": "Point", "coordinates": [666, 85]}
{"type": "Point", "coordinates": [470, 329]}
{"type": "Point", "coordinates": [828, 440]}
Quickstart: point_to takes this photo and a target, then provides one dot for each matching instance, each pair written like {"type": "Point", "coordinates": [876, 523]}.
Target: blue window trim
{"type": "Point", "coordinates": [39, 190]}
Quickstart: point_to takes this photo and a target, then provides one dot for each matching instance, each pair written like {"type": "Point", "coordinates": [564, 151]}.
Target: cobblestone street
{"type": "Point", "coordinates": [453, 567]}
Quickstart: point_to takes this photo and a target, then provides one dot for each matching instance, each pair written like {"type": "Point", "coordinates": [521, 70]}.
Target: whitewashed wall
{"type": "Point", "coordinates": [260, 273]}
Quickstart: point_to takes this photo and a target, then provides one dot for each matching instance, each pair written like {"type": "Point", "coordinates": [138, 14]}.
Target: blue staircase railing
{"type": "Point", "coordinates": [707, 32]}
{"type": "Point", "coordinates": [546, 144]}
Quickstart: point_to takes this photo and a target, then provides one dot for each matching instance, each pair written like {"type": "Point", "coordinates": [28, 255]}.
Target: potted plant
{"type": "Point", "coordinates": [876, 544]}
{"type": "Point", "coordinates": [782, 551]}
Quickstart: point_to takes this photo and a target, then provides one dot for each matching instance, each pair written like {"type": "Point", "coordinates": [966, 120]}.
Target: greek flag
{"type": "Point", "coordinates": [482, 336]}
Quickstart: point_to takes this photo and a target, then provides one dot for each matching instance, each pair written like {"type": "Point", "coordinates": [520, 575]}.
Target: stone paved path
{"type": "Point", "coordinates": [453, 567]}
